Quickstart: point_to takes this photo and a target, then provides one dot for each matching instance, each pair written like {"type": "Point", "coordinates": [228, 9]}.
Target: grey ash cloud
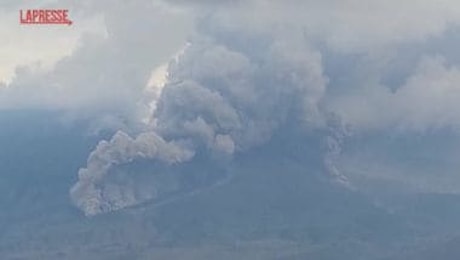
{"type": "Point", "coordinates": [218, 101]}
{"type": "Point", "coordinates": [252, 71]}
{"type": "Point", "coordinates": [244, 79]}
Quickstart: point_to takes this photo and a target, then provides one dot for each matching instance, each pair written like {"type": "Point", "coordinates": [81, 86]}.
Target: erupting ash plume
{"type": "Point", "coordinates": [242, 81]}
{"type": "Point", "coordinates": [93, 197]}
{"type": "Point", "coordinates": [217, 101]}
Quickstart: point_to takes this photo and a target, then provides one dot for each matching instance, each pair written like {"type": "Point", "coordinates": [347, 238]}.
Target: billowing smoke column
{"type": "Point", "coordinates": [93, 197]}
{"type": "Point", "coordinates": [220, 99]}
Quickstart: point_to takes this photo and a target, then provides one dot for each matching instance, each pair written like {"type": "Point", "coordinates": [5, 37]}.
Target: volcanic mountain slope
{"type": "Point", "coordinates": [261, 205]}
{"type": "Point", "coordinates": [275, 202]}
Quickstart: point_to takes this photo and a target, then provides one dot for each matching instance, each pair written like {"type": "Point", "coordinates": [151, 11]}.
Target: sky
{"type": "Point", "coordinates": [178, 79]}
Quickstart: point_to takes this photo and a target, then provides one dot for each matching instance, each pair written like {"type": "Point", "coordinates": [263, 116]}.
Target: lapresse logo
{"type": "Point", "coordinates": [44, 16]}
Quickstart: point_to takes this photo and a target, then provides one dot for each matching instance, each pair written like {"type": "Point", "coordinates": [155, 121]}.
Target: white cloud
{"type": "Point", "coordinates": [350, 25]}
{"type": "Point", "coordinates": [428, 100]}
{"type": "Point", "coordinates": [22, 45]}
{"type": "Point", "coordinates": [105, 75]}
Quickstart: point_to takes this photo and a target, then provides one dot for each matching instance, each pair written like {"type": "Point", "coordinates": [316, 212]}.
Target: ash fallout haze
{"type": "Point", "coordinates": [173, 129]}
